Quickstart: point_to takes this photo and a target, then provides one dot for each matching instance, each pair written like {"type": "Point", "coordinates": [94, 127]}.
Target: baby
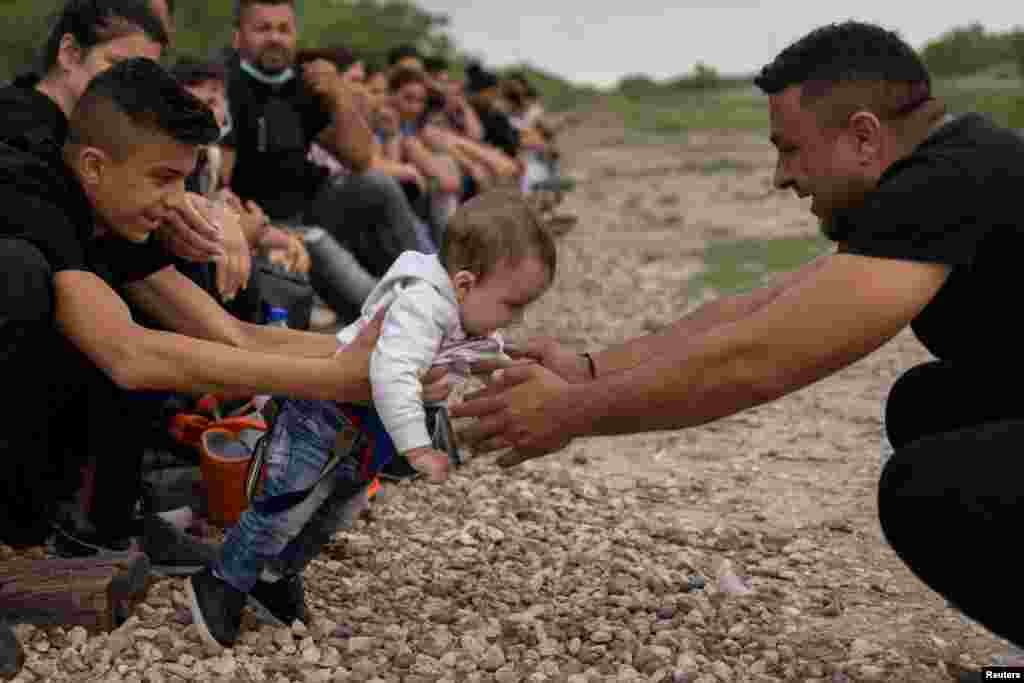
{"type": "Point", "coordinates": [496, 259]}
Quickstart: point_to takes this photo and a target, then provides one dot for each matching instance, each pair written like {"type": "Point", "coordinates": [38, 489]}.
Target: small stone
{"type": "Point", "coordinates": [494, 659]}
{"type": "Point", "coordinates": [118, 642]}
{"type": "Point", "coordinates": [311, 655]}
{"type": "Point", "coordinates": [78, 636]}
{"type": "Point", "coordinates": [299, 629]}
{"type": "Point", "coordinates": [862, 648]}
{"type": "Point", "coordinates": [601, 637]}
{"type": "Point", "coordinates": [331, 658]}
{"type": "Point", "coordinates": [360, 644]}
{"type": "Point", "coordinates": [574, 646]}
{"type": "Point", "coordinates": [43, 667]}
{"type": "Point", "coordinates": [506, 676]}
{"type": "Point", "coordinates": [283, 637]}
{"type": "Point", "coordinates": [869, 672]}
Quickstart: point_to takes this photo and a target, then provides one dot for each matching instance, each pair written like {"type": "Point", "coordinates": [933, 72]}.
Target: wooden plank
{"type": "Point", "coordinates": [96, 593]}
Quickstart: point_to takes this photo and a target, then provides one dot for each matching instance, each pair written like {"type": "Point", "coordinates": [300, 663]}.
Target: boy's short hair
{"type": "Point", "coordinates": [495, 226]}
{"type": "Point", "coordinates": [133, 98]}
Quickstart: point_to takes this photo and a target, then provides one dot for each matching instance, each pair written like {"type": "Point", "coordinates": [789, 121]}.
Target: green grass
{"type": "Point", "coordinates": [734, 109]}
{"type": "Point", "coordinates": [739, 266]}
{"type": "Point", "coordinates": [672, 113]}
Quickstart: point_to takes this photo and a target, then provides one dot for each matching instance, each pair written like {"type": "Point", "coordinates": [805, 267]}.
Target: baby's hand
{"type": "Point", "coordinates": [430, 462]}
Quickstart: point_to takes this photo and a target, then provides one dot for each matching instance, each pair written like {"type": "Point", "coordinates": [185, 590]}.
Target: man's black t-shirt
{"type": "Point", "coordinates": [954, 201]}
{"type": "Point", "coordinates": [499, 131]}
{"type": "Point", "coordinates": [273, 129]}
{"type": "Point", "coordinates": [45, 206]}
{"type": "Point", "coordinates": [31, 121]}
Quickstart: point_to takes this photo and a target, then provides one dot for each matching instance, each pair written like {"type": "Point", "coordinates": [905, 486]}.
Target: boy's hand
{"type": "Point", "coordinates": [428, 461]}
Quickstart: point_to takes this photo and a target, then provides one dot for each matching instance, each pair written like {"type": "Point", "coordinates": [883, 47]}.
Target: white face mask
{"type": "Point", "coordinates": [226, 128]}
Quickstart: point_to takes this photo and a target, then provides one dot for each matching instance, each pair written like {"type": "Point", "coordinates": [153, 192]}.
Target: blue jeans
{"type": "Point", "coordinates": [301, 440]}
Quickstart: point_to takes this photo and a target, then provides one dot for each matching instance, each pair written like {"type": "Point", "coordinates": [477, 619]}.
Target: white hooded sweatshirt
{"type": "Point", "coordinates": [422, 328]}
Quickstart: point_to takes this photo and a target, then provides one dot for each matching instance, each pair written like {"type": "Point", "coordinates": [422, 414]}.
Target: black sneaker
{"type": "Point", "coordinates": [172, 551]}
{"type": "Point", "coordinates": [284, 601]}
{"type": "Point", "coordinates": [76, 537]}
{"type": "Point", "coordinates": [398, 469]}
{"type": "Point", "coordinates": [216, 607]}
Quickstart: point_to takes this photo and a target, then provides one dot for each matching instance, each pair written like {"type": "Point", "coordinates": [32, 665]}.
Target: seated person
{"type": "Point", "coordinates": [484, 92]}
{"type": "Point", "coordinates": [278, 109]}
{"type": "Point", "coordinates": [496, 260]}
{"type": "Point", "coordinates": [410, 96]}
{"type": "Point", "coordinates": [74, 234]}
{"type": "Point", "coordinates": [206, 82]}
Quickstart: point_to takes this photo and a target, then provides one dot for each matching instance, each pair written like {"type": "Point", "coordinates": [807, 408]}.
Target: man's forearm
{"type": "Point", "coordinates": [167, 361]}
{"type": "Point", "coordinates": [293, 343]}
{"type": "Point", "coordinates": [719, 312]}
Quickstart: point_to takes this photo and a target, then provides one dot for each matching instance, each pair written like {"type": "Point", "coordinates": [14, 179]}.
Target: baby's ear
{"type": "Point", "coordinates": [463, 281]}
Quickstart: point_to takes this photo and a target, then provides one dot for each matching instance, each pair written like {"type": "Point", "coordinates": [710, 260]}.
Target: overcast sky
{"type": "Point", "coordinates": [599, 41]}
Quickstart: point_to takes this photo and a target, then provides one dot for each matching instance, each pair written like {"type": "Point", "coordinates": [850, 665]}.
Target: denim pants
{"type": "Point", "coordinates": [301, 440]}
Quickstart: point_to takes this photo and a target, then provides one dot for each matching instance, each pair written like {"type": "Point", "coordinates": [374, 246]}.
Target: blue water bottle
{"type": "Point", "coordinates": [277, 316]}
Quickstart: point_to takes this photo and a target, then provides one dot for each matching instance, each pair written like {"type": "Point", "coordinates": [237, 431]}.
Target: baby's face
{"type": "Point", "coordinates": [501, 298]}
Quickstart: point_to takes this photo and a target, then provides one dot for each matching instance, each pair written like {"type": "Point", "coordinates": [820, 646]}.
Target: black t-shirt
{"type": "Point", "coordinates": [499, 131]}
{"type": "Point", "coordinates": [273, 128]}
{"type": "Point", "coordinates": [31, 121]}
{"type": "Point", "coordinates": [44, 205]}
{"type": "Point", "coordinates": [954, 201]}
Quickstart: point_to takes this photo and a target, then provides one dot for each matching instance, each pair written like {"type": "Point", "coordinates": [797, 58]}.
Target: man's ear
{"type": "Point", "coordinates": [866, 129]}
{"type": "Point", "coordinates": [91, 163]}
{"type": "Point", "coordinates": [463, 282]}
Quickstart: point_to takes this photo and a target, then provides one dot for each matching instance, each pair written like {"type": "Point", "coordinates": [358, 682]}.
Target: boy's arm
{"type": "Point", "coordinates": [410, 339]}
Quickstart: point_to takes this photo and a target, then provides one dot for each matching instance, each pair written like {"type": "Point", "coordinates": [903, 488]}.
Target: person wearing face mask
{"type": "Point", "coordinates": [279, 109]}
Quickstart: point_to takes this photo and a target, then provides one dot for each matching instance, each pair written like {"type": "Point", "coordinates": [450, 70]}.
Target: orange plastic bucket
{"type": "Point", "coordinates": [224, 461]}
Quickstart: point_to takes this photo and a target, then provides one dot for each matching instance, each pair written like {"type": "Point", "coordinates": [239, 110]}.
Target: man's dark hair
{"type": "Point", "coordinates": [95, 22]}
{"type": "Point", "coordinates": [400, 52]}
{"type": "Point", "coordinates": [435, 64]}
{"type": "Point", "coordinates": [867, 66]}
{"type": "Point", "coordinates": [403, 76]}
{"type": "Point", "coordinates": [138, 95]}
{"type": "Point", "coordinates": [242, 5]}
{"type": "Point", "coordinates": [190, 71]}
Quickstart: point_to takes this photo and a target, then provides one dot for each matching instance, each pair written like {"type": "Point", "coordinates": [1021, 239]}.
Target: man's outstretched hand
{"type": "Point", "coordinates": [514, 411]}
